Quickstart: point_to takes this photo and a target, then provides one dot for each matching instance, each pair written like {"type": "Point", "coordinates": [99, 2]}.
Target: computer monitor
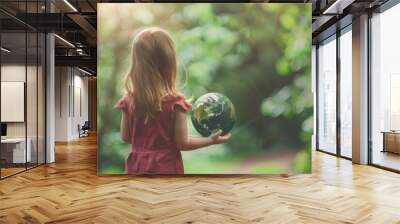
{"type": "Point", "coordinates": [3, 129]}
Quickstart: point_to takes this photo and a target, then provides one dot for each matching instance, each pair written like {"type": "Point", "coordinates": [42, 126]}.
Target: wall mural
{"type": "Point", "coordinates": [204, 88]}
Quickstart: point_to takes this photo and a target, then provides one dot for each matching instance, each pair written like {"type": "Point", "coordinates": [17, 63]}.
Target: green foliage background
{"type": "Point", "coordinates": [257, 54]}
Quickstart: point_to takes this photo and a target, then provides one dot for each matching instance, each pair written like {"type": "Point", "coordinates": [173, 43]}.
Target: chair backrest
{"type": "Point", "coordinates": [86, 124]}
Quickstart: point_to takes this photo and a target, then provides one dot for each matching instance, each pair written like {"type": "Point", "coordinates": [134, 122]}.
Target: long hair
{"type": "Point", "coordinates": [152, 75]}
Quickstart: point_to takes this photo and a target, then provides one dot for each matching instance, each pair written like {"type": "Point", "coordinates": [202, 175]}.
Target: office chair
{"type": "Point", "coordinates": [84, 130]}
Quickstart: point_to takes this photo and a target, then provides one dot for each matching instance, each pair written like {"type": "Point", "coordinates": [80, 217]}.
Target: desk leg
{"type": "Point", "coordinates": [384, 142]}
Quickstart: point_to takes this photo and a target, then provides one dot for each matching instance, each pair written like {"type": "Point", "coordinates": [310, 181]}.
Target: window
{"type": "Point", "coordinates": [327, 96]}
{"type": "Point", "coordinates": [346, 92]}
{"type": "Point", "coordinates": [385, 89]}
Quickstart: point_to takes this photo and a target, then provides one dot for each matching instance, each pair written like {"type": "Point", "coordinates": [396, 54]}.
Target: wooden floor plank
{"type": "Point", "coordinates": [70, 191]}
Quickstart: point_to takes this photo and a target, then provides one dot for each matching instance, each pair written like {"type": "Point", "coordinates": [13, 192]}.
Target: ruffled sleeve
{"type": "Point", "coordinates": [123, 104]}
{"type": "Point", "coordinates": [182, 103]}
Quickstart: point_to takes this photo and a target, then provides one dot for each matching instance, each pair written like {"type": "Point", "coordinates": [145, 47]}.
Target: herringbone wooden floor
{"type": "Point", "coordinates": [69, 191]}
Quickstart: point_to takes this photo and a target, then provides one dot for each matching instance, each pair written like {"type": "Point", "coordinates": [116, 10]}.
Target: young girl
{"type": "Point", "coordinates": [153, 111]}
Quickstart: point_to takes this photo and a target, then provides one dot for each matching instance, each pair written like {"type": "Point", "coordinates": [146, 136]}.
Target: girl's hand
{"type": "Point", "coordinates": [217, 138]}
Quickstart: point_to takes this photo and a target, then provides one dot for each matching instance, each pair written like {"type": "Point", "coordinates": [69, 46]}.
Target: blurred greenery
{"type": "Point", "coordinates": [259, 55]}
{"type": "Point", "coordinates": [269, 168]}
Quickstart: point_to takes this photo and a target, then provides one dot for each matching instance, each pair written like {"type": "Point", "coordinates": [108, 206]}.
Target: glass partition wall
{"type": "Point", "coordinates": [13, 88]}
{"type": "Point", "coordinates": [22, 98]}
{"type": "Point", "coordinates": [334, 94]}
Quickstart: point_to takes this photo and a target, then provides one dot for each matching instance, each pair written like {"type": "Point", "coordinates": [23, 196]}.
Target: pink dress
{"type": "Point", "coordinates": [154, 149]}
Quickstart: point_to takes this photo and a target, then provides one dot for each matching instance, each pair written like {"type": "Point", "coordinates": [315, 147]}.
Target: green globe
{"type": "Point", "coordinates": [211, 112]}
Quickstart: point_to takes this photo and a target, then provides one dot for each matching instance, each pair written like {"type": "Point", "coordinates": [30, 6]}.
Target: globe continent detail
{"type": "Point", "coordinates": [211, 112]}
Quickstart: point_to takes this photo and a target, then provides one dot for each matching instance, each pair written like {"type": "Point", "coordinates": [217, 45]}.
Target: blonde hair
{"type": "Point", "coordinates": [152, 75]}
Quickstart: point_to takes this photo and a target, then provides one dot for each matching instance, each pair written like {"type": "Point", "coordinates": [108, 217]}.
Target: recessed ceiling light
{"type": "Point", "coordinates": [64, 40]}
{"type": "Point", "coordinates": [70, 5]}
{"type": "Point", "coordinates": [5, 50]}
{"type": "Point", "coordinates": [337, 7]}
{"type": "Point", "coordinates": [84, 71]}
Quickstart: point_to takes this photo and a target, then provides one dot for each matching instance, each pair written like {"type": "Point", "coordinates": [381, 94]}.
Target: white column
{"type": "Point", "coordinates": [50, 92]}
{"type": "Point", "coordinates": [50, 110]}
{"type": "Point", "coordinates": [360, 90]}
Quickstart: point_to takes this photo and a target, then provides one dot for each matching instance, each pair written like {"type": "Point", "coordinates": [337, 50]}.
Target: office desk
{"type": "Point", "coordinates": [13, 150]}
{"type": "Point", "coordinates": [391, 141]}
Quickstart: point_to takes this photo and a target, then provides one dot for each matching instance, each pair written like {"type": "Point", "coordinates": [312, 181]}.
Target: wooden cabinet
{"type": "Point", "coordinates": [391, 142]}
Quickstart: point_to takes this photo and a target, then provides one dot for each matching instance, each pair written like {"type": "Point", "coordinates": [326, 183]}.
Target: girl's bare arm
{"type": "Point", "coordinates": [185, 142]}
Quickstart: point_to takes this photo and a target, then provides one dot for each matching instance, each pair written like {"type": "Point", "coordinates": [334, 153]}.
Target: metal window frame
{"type": "Point", "coordinates": [341, 29]}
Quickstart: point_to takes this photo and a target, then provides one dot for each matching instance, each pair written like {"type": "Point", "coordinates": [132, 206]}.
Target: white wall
{"type": "Point", "coordinates": [70, 83]}
{"type": "Point", "coordinates": [11, 73]}
{"type": "Point", "coordinates": [33, 127]}
{"type": "Point", "coordinates": [79, 117]}
{"type": "Point", "coordinates": [62, 81]}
